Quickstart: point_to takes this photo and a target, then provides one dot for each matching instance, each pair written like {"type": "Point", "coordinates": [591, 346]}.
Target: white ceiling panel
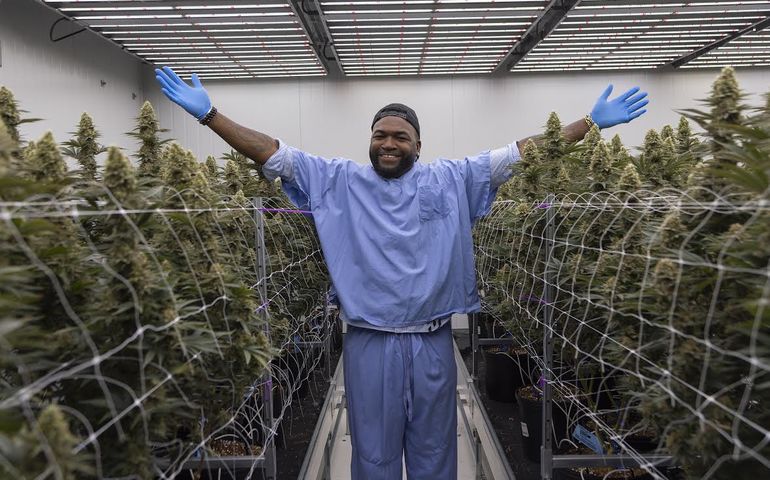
{"type": "Point", "coordinates": [426, 37]}
{"type": "Point", "coordinates": [253, 39]}
{"type": "Point", "coordinates": [642, 34]}
{"type": "Point", "coordinates": [215, 38]}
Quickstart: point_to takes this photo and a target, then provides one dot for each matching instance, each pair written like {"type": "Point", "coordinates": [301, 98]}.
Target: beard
{"type": "Point", "coordinates": [395, 171]}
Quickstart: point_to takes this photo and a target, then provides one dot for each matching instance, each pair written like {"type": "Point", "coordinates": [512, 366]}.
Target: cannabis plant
{"type": "Point", "coordinates": [44, 162]}
{"type": "Point", "coordinates": [40, 299]}
{"type": "Point", "coordinates": [147, 131]}
{"type": "Point", "coordinates": [659, 165]}
{"type": "Point", "coordinates": [705, 395]}
{"type": "Point", "coordinates": [8, 149]}
{"type": "Point", "coordinates": [9, 113]}
{"type": "Point", "coordinates": [131, 294]}
{"type": "Point", "coordinates": [84, 146]}
{"type": "Point", "coordinates": [222, 327]}
{"type": "Point", "coordinates": [43, 447]}
{"type": "Point", "coordinates": [246, 175]}
{"type": "Point", "coordinates": [212, 172]}
{"type": "Point", "coordinates": [132, 330]}
{"type": "Point", "coordinates": [620, 155]}
{"type": "Point", "coordinates": [232, 180]}
{"type": "Point", "coordinates": [686, 142]}
{"type": "Point", "coordinates": [530, 174]}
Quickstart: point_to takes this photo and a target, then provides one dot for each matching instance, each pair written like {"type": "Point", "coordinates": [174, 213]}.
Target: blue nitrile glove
{"type": "Point", "coordinates": [194, 99]}
{"type": "Point", "coordinates": [620, 110]}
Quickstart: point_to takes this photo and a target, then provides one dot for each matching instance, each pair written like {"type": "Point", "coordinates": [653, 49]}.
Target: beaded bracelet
{"type": "Point", "coordinates": [209, 116]}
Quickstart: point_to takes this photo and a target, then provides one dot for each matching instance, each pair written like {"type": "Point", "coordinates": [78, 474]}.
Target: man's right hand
{"type": "Point", "coordinates": [195, 100]}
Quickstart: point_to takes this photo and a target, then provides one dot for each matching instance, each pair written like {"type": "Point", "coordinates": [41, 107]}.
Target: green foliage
{"type": "Point", "coordinates": [8, 149]}
{"type": "Point", "coordinates": [9, 113]}
{"type": "Point", "coordinates": [246, 175]}
{"type": "Point", "coordinates": [591, 140]}
{"type": "Point", "coordinates": [212, 169]}
{"type": "Point", "coordinates": [42, 278]}
{"type": "Point", "coordinates": [686, 142]}
{"type": "Point", "coordinates": [725, 103]}
{"type": "Point", "coordinates": [119, 176]}
{"type": "Point", "coordinates": [650, 162]}
{"type": "Point", "coordinates": [659, 267]}
{"type": "Point", "coordinates": [44, 161]}
{"type": "Point", "coordinates": [554, 142]}
{"type": "Point", "coordinates": [710, 300]}
{"type": "Point", "coordinates": [532, 172]}
{"type": "Point", "coordinates": [744, 161]}
{"type": "Point", "coordinates": [232, 178]}
{"type": "Point", "coordinates": [601, 167]}
{"type": "Point", "coordinates": [147, 131]}
{"type": "Point", "coordinates": [616, 145]}
{"type": "Point", "coordinates": [84, 146]}
{"type": "Point", "coordinates": [629, 179]}
{"type": "Point", "coordinates": [620, 155]}
{"type": "Point", "coordinates": [667, 132]}
{"type": "Point", "coordinates": [46, 448]}
{"type": "Point", "coordinates": [659, 164]}
{"type": "Point", "coordinates": [725, 115]}
{"type": "Point", "coordinates": [147, 295]}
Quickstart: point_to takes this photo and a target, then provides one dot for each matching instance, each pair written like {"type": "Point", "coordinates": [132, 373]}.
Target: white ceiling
{"type": "Point", "coordinates": [253, 39]}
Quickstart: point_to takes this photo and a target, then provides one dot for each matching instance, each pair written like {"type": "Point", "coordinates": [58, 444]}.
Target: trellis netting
{"type": "Point", "coordinates": [658, 346]}
{"type": "Point", "coordinates": [652, 275]}
{"type": "Point", "coordinates": [147, 318]}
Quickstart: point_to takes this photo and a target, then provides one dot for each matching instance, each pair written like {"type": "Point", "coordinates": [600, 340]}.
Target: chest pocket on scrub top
{"type": "Point", "coordinates": [433, 202]}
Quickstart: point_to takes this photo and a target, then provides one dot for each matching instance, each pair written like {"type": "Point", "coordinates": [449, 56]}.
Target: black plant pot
{"type": "Point", "coordinates": [499, 376]}
{"type": "Point", "coordinates": [504, 374]}
{"type": "Point", "coordinates": [531, 415]}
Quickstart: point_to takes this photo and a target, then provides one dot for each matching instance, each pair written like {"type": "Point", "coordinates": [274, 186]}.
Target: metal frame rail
{"type": "Point", "coordinates": [270, 463]}
{"type": "Point", "coordinates": [317, 462]}
{"type": "Point", "coordinates": [489, 454]}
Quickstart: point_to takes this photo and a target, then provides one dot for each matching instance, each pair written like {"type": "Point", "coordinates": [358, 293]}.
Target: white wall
{"type": "Point", "coordinates": [59, 81]}
{"type": "Point", "coordinates": [458, 116]}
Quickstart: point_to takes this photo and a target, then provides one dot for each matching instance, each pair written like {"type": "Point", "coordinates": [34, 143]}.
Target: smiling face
{"type": "Point", "coordinates": [394, 147]}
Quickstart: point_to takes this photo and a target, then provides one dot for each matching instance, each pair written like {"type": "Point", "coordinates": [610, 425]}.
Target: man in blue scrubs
{"type": "Point", "coordinates": [396, 237]}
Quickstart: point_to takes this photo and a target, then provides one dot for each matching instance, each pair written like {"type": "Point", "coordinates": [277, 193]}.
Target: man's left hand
{"type": "Point", "coordinates": [608, 113]}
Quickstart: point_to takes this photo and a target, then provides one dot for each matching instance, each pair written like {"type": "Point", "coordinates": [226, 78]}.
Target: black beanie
{"type": "Point", "coordinates": [398, 110]}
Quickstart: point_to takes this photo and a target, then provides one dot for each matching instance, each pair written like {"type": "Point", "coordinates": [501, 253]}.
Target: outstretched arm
{"type": "Point", "coordinates": [606, 113]}
{"type": "Point", "coordinates": [195, 100]}
{"type": "Point", "coordinates": [255, 145]}
{"type": "Point", "coordinates": [574, 132]}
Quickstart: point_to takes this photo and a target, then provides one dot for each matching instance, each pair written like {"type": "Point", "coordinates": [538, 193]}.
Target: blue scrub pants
{"type": "Point", "coordinates": [401, 397]}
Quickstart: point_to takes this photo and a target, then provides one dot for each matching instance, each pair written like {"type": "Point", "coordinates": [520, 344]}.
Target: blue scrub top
{"type": "Point", "coordinates": [399, 251]}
